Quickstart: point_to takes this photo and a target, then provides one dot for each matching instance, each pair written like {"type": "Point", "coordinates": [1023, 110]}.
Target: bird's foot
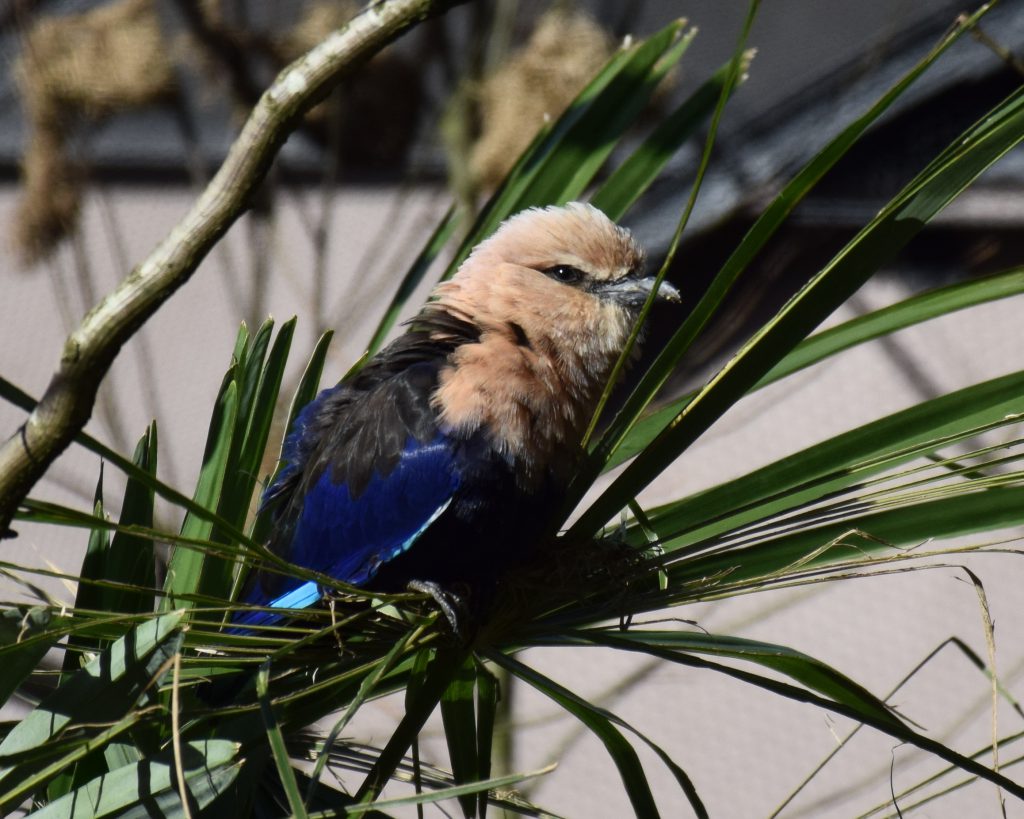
{"type": "Point", "coordinates": [451, 605]}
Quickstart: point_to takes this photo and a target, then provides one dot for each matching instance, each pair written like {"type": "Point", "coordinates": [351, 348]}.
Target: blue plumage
{"type": "Point", "coordinates": [350, 537]}
{"type": "Point", "coordinates": [377, 492]}
{"type": "Point", "coordinates": [443, 459]}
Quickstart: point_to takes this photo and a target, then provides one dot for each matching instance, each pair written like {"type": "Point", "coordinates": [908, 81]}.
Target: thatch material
{"type": "Point", "coordinates": [537, 83]}
{"type": "Point", "coordinates": [380, 103]}
{"type": "Point", "coordinates": [75, 67]}
{"type": "Point", "coordinates": [319, 18]}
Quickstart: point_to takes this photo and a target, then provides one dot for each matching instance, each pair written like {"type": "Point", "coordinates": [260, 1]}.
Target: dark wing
{"type": "Point", "coordinates": [367, 472]}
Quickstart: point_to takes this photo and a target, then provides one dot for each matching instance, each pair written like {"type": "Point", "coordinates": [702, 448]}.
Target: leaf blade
{"type": "Point", "coordinates": [925, 196]}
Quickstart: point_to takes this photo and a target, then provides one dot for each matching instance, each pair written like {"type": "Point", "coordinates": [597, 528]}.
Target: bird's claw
{"type": "Point", "coordinates": [446, 601]}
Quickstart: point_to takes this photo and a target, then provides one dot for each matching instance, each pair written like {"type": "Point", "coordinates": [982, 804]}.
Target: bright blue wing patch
{"type": "Point", "coordinates": [305, 595]}
{"type": "Point", "coordinates": [351, 538]}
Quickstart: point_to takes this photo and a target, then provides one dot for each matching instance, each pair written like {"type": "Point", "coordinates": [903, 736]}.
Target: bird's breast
{"type": "Point", "coordinates": [519, 398]}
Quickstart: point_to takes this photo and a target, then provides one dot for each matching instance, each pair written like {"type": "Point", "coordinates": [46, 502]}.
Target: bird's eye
{"type": "Point", "coordinates": [564, 273]}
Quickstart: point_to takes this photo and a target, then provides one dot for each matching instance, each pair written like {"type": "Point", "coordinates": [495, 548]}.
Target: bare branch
{"type": "Point", "coordinates": [92, 347]}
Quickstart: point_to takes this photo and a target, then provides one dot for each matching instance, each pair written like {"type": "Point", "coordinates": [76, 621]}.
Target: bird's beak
{"type": "Point", "coordinates": [634, 292]}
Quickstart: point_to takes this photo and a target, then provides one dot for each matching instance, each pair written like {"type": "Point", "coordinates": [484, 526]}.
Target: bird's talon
{"type": "Point", "coordinates": [446, 601]}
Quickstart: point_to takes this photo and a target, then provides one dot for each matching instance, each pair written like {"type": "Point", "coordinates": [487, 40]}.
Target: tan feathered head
{"type": "Point", "coordinates": [555, 293]}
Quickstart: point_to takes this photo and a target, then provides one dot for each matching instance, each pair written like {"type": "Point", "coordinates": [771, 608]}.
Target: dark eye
{"type": "Point", "coordinates": [564, 273]}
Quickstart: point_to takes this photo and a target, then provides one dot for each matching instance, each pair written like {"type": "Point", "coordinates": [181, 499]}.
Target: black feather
{"type": "Point", "coordinates": [361, 426]}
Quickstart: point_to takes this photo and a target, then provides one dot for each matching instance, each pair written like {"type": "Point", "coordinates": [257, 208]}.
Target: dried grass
{"type": "Point", "coordinates": [73, 68]}
{"type": "Point", "coordinates": [380, 104]}
{"type": "Point", "coordinates": [319, 18]}
{"type": "Point", "coordinates": [536, 83]}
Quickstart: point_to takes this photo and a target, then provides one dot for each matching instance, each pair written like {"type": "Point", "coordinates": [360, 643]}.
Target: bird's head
{"type": "Point", "coordinates": [564, 278]}
{"type": "Point", "coordinates": [554, 293]}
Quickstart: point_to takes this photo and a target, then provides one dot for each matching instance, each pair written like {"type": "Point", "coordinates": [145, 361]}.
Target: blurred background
{"type": "Point", "coordinates": [113, 115]}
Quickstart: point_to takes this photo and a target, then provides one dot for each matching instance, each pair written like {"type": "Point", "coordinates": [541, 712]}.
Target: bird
{"type": "Point", "coordinates": [439, 463]}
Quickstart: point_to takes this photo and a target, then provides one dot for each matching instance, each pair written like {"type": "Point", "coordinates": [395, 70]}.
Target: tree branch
{"type": "Point", "coordinates": [91, 348]}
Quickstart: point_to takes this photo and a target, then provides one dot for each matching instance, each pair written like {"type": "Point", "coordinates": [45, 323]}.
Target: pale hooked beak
{"type": "Point", "coordinates": [634, 292]}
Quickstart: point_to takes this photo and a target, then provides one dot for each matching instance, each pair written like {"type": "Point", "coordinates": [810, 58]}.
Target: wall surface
{"type": "Point", "coordinates": [744, 749]}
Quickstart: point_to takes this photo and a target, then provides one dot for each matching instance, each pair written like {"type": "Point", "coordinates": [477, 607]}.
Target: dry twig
{"type": "Point", "coordinates": [91, 348]}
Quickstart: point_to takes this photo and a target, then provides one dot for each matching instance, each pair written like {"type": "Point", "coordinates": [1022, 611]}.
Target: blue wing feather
{"type": "Point", "coordinates": [366, 471]}
{"type": "Point", "coordinates": [350, 537]}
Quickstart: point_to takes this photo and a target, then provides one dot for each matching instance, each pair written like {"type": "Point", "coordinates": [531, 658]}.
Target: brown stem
{"type": "Point", "coordinates": [91, 348]}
